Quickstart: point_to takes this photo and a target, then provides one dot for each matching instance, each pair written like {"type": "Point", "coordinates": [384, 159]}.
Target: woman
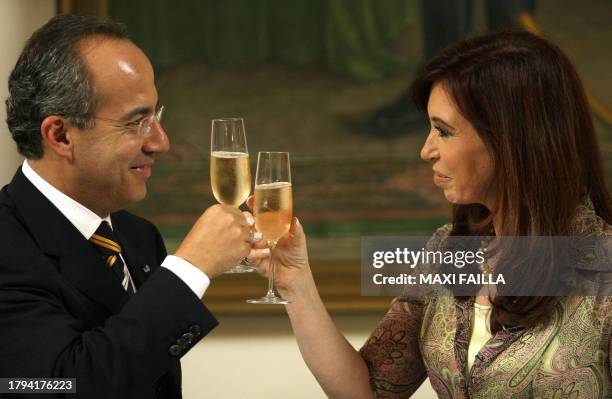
{"type": "Point", "coordinates": [513, 147]}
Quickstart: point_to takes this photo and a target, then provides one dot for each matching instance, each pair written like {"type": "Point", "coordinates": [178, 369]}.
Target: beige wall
{"type": "Point", "coordinates": [18, 19]}
{"type": "Point", "coordinates": [245, 357]}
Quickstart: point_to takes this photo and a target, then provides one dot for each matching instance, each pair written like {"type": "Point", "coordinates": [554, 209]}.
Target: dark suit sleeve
{"type": "Point", "coordinates": [121, 358]}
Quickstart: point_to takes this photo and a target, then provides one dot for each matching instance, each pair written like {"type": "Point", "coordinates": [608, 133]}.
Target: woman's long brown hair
{"type": "Point", "coordinates": [525, 99]}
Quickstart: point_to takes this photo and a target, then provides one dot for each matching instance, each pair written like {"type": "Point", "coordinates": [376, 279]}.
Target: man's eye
{"type": "Point", "coordinates": [135, 123]}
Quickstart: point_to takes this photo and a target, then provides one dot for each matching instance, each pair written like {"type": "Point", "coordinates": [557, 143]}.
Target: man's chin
{"type": "Point", "coordinates": [140, 195]}
{"type": "Point", "coordinates": [134, 196]}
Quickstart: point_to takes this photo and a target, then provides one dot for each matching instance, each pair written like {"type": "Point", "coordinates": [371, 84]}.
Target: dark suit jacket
{"type": "Point", "coordinates": [64, 314]}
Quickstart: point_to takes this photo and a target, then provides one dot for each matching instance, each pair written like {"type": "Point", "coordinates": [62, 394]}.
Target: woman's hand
{"type": "Point", "coordinates": [292, 274]}
{"type": "Point", "coordinates": [336, 365]}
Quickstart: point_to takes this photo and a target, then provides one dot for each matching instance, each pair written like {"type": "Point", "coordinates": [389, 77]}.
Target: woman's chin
{"type": "Point", "coordinates": [451, 197]}
{"type": "Point", "coordinates": [455, 199]}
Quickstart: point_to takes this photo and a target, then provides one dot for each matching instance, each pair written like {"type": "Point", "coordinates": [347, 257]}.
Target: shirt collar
{"type": "Point", "coordinates": [85, 220]}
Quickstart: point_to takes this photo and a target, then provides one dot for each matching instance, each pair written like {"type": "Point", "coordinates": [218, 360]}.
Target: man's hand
{"type": "Point", "coordinates": [219, 240]}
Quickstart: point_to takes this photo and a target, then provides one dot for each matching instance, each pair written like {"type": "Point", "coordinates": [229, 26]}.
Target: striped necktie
{"type": "Point", "coordinates": [105, 242]}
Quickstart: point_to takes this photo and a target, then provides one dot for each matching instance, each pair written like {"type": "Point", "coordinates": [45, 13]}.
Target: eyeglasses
{"type": "Point", "coordinates": [142, 127]}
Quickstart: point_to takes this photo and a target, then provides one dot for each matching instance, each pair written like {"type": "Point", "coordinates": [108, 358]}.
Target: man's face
{"type": "Point", "coordinates": [112, 162]}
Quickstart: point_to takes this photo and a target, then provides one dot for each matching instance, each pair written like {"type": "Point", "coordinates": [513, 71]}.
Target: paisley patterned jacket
{"type": "Point", "coordinates": [569, 356]}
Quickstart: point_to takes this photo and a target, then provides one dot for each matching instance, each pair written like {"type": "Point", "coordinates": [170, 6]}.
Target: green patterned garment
{"type": "Point", "coordinates": [568, 356]}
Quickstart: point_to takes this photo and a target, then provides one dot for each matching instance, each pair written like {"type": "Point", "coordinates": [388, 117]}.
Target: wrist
{"type": "Point", "coordinates": [202, 266]}
{"type": "Point", "coordinates": [305, 291]}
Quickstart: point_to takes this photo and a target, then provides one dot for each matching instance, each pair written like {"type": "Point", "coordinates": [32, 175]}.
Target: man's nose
{"type": "Point", "coordinates": [157, 139]}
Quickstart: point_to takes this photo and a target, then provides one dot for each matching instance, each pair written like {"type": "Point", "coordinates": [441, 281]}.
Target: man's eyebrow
{"type": "Point", "coordinates": [136, 112]}
{"type": "Point", "coordinates": [441, 122]}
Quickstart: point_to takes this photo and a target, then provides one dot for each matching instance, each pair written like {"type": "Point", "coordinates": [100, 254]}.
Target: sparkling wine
{"type": "Point", "coordinates": [230, 177]}
{"type": "Point", "coordinates": [273, 209]}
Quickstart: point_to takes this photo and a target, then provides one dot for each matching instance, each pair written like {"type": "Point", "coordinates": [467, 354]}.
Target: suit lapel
{"type": "Point", "coordinates": [139, 269]}
{"type": "Point", "coordinates": [83, 266]}
{"type": "Point", "coordinates": [79, 262]}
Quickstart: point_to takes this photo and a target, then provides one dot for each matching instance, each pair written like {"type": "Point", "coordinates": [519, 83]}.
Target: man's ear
{"type": "Point", "coordinates": [57, 134]}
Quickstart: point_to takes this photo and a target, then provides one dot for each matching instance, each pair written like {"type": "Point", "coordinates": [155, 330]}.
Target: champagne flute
{"type": "Point", "coordinates": [273, 209]}
{"type": "Point", "coordinates": [230, 174]}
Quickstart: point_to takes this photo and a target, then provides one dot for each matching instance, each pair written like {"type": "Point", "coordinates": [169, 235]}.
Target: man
{"type": "Point", "coordinates": [86, 289]}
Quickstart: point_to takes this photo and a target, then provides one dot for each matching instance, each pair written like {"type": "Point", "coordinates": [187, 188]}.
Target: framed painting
{"type": "Point", "coordinates": [307, 77]}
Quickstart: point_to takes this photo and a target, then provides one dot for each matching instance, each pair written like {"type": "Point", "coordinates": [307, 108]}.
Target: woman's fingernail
{"type": "Point", "coordinates": [297, 221]}
{"type": "Point", "coordinates": [257, 236]}
{"type": "Point", "coordinates": [265, 251]}
{"type": "Point", "coordinates": [250, 221]}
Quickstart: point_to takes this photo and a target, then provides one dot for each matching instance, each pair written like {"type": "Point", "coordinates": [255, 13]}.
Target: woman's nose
{"type": "Point", "coordinates": [429, 152]}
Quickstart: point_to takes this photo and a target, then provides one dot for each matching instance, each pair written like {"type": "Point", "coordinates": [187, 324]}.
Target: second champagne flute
{"type": "Point", "coordinates": [230, 173]}
{"type": "Point", "coordinates": [273, 210]}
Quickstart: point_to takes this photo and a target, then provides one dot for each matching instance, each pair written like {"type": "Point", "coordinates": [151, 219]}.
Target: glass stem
{"type": "Point", "coordinates": [271, 274]}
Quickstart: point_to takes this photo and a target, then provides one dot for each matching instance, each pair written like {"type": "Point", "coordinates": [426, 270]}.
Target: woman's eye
{"type": "Point", "coordinates": [442, 132]}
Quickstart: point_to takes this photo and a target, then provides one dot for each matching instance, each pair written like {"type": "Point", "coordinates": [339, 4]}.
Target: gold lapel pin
{"type": "Point", "coordinates": [146, 268]}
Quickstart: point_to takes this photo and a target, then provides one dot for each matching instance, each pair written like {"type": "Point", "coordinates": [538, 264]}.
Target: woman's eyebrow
{"type": "Point", "coordinates": [441, 122]}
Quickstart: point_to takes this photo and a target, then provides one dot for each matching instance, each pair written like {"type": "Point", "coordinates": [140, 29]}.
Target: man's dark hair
{"type": "Point", "coordinates": [50, 78]}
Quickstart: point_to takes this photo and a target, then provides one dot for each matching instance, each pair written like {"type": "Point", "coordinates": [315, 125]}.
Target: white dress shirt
{"type": "Point", "coordinates": [87, 222]}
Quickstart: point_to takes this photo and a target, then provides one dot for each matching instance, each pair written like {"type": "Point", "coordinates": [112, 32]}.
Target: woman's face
{"type": "Point", "coordinates": [461, 163]}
